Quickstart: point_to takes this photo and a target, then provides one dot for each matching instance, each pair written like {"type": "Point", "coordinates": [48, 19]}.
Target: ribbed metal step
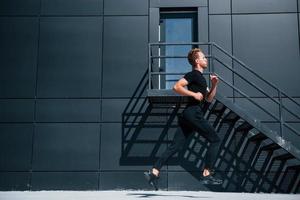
{"type": "Point", "coordinates": [294, 167]}
{"type": "Point", "coordinates": [244, 127]}
{"type": "Point", "coordinates": [230, 117]}
{"type": "Point", "coordinates": [286, 156]}
{"type": "Point", "coordinates": [258, 137]}
{"type": "Point", "coordinates": [218, 108]}
{"type": "Point", "coordinates": [270, 147]}
{"type": "Point", "coordinates": [165, 96]}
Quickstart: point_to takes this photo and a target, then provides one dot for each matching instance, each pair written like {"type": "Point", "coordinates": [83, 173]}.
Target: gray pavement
{"type": "Point", "coordinates": [140, 195]}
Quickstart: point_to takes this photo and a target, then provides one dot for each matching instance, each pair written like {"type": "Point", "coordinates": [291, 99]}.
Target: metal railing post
{"type": "Point", "coordinates": [233, 79]}
{"type": "Point", "coordinates": [209, 65]}
{"type": "Point", "coordinates": [212, 58]}
{"type": "Point", "coordinates": [280, 113]}
{"type": "Point", "coordinates": [149, 66]}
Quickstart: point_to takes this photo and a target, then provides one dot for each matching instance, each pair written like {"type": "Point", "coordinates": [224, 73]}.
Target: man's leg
{"type": "Point", "coordinates": [196, 120]}
{"type": "Point", "coordinates": [177, 144]}
{"type": "Point", "coordinates": [213, 149]}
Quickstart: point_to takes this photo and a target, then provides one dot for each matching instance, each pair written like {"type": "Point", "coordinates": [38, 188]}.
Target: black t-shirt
{"type": "Point", "coordinates": [196, 83]}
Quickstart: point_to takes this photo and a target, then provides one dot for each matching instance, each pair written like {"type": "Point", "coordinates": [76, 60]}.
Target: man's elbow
{"type": "Point", "coordinates": [175, 88]}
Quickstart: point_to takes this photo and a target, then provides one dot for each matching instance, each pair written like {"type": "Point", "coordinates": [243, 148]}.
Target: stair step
{"type": "Point", "coordinates": [218, 107]}
{"type": "Point", "coordinates": [270, 147]}
{"type": "Point", "coordinates": [245, 126]}
{"type": "Point", "coordinates": [231, 117]}
{"type": "Point", "coordinates": [286, 156]}
{"type": "Point", "coordinates": [295, 167]}
{"type": "Point", "coordinates": [258, 137]}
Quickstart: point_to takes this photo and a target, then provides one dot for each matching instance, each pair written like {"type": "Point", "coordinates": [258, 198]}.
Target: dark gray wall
{"type": "Point", "coordinates": [69, 68]}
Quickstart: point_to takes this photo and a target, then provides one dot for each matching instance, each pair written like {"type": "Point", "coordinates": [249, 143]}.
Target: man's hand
{"type": "Point", "coordinates": [198, 96]}
{"type": "Point", "coordinates": [214, 79]}
{"type": "Point", "coordinates": [212, 91]}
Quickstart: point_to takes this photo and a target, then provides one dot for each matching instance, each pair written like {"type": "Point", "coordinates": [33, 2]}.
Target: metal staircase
{"type": "Point", "coordinates": [259, 153]}
{"type": "Point", "coordinates": [158, 95]}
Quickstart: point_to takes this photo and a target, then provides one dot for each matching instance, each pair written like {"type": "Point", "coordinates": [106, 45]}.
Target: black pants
{"type": "Point", "coordinates": [192, 120]}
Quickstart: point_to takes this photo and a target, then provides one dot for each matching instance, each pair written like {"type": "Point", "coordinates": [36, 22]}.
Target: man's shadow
{"type": "Point", "coordinates": [150, 195]}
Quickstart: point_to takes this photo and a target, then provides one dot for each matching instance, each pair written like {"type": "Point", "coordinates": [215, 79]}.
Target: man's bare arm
{"type": "Point", "coordinates": [213, 90]}
{"type": "Point", "coordinates": [179, 88]}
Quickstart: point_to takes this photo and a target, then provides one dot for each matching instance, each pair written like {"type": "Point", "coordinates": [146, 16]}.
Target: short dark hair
{"type": "Point", "coordinates": [192, 55]}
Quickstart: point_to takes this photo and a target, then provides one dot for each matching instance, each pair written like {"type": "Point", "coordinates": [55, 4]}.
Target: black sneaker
{"type": "Point", "coordinates": [152, 179]}
{"type": "Point", "coordinates": [210, 180]}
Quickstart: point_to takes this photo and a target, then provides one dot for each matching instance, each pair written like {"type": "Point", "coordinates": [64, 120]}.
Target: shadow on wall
{"type": "Point", "coordinates": [246, 162]}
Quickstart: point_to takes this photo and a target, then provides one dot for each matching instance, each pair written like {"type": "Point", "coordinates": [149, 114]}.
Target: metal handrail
{"type": "Point", "coordinates": [240, 62]}
{"type": "Point", "coordinates": [225, 65]}
{"type": "Point", "coordinates": [233, 71]}
{"type": "Point", "coordinates": [207, 56]}
{"type": "Point", "coordinates": [174, 73]}
{"type": "Point", "coordinates": [231, 56]}
{"type": "Point", "coordinates": [250, 70]}
{"type": "Point", "coordinates": [211, 44]}
{"type": "Point", "coordinates": [247, 97]}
